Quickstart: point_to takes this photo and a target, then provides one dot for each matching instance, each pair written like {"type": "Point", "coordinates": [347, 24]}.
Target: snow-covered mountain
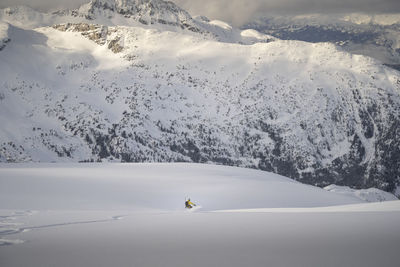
{"type": "Point", "coordinates": [97, 83]}
{"type": "Point", "coordinates": [376, 36]}
{"type": "Point", "coordinates": [154, 14]}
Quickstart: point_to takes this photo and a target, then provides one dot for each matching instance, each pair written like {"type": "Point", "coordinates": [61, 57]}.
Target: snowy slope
{"type": "Point", "coordinates": [154, 14]}
{"type": "Point", "coordinates": [157, 92]}
{"type": "Point", "coordinates": [376, 36]}
{"type": "Point", "coordinates": [154, 186]}
{"type": "Point", "coordinates": [133, 214]}
{"type": "Point", "coordinates": [369, 195]}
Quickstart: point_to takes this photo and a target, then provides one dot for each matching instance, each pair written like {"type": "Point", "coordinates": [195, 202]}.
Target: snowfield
{"type": "Point", "coordinates": [133, 215]}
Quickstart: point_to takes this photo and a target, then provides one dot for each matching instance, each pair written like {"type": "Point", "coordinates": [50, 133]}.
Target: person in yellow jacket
{"type": "Point", "coordinates": [189, 204]}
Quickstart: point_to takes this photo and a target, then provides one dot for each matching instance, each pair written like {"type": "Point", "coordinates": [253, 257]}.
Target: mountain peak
{"type": "Point", "coordinates": [144, 11]}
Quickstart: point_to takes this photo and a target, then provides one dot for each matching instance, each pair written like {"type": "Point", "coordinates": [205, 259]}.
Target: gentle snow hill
{"type": "Point", "coordinates": [154, 186]}
{"type": "Point", "coordinates": [101, 215]}
{"type": "Point", "coordinates": [386, 206]}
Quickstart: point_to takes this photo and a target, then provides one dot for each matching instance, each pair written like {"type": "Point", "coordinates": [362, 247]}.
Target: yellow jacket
{"type": "Point", "coordinates": [189, 204]}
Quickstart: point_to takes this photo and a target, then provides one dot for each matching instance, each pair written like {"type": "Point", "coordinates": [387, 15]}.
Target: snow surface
{"type": "Point", "coordinates": [133, 215]}
{"type": "Point", "coordinates": [154, 186]}
{"type": "Point", "coordinates": [369, 195]}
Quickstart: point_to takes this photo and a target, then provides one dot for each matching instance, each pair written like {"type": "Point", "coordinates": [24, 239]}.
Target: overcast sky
{"type": "Point", "coordinates": [240, 11]}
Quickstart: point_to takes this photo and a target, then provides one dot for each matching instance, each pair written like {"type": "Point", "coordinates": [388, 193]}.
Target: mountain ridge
{"type": "Point", "coordinates": [312, 112]}
{"type": "Point", "coordinates": [160, 15]}
{"type": "Point", "coordinates": [377, 36]}
{"type": "Point", "coordinates": [144, 11]}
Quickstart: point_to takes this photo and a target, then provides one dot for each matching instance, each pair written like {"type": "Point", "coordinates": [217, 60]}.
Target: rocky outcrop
{"type": "Point", "coordinates": [144, 11]}
{"type": "Point", "coordinates": [3, 43]}
{"type": "Point", "coordinates": [99, 34]}
{"type": "Point", "coordinates": [4, 39]}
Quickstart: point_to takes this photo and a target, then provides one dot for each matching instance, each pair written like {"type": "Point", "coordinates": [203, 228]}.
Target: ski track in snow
{"type": "Point", "coordinates": [8, 226]}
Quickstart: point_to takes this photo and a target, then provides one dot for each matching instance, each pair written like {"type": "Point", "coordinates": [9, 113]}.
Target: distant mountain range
{"type": "Point", "coordinates": [140, 81]}
{"type": "Point", "coordinates": [377, 36]}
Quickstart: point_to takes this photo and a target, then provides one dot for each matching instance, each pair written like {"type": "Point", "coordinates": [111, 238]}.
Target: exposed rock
{"type": "Point", "coordinates": [97, 33]}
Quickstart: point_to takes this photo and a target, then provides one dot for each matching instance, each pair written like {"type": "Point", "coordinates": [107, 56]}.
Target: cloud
{"type": "Point", "coordinates": [238, 12]}
{"type": "Point", "coordinates": [44, 5]}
